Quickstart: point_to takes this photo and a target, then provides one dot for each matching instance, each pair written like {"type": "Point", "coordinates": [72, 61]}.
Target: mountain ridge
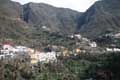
{"type": "Point", "coordinates": [13, 14]}
{"type": "Point", "coordinates": [97, 20]}
{"type": "Point", "coordinates": [100, 18]}
{"type": "Point", "coordinates": [57, 19]}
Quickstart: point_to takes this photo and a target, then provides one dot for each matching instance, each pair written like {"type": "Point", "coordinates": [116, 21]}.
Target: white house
{"type": "Point", "coordinates": [117, 35]}
{"type": "Point", "coordinates": [93, 44]}
{"type": "Point", "coordinates": [46, 28]}
{"type": "Point", "coordinates": [7, 50]}
{"type": "Point", "coordinates": [109, 49]}
{"type": "Point", "coordinates": [78, 36]}
{"type": "Point", "coordinates": [47, 57]}
{"type": "Point", "coordinates": [2, 55]}
{"type": "Point", "coordinates": [20, 49]}
{"type": "Point", "coordinates": [38, 56]}
{"type": "Point", "coordinates": [116, 50]}
{"type": "Point", "coordinates": [113, 49]}
{"type": "Point", "coordinates": [85, 39]}
{"type": "Point", "coordinates": [71, 36]}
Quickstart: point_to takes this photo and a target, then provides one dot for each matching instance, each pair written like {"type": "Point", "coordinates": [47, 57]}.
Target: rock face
{"type": "Point", "coordinates": [103, 16]}
{"type": "Point", "coordinates": [56, 19]}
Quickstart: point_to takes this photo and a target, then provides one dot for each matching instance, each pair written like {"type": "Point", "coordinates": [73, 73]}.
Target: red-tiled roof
{"type": "Point", "coordinates": [6, 43]}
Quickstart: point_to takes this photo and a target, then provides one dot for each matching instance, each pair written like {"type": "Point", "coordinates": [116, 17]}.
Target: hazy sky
{"type": "Point", "coordinates": [79, 5]}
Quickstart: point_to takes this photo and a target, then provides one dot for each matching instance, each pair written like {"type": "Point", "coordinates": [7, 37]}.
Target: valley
{"type": "Point", "coordinates": [41, 42]}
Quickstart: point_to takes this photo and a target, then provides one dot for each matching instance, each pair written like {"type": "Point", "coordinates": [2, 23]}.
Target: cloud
{"type": "Point", "coordinates": [79, 5]}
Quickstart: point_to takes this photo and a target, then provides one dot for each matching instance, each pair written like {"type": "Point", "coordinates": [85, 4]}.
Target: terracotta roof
{"type": "Point", "coordinates": [7, 43]}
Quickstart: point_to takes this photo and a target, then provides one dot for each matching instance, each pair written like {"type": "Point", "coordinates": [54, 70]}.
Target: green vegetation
{"type": "Point", "coordinates": [46, 38]}
{"type": "Point", "coordinates": [105, 67]}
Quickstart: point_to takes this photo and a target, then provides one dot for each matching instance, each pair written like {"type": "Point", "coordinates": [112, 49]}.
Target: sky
{"type": "Point", "coordinates": [78, 5]}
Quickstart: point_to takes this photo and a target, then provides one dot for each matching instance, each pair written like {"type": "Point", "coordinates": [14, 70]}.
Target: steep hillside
{"type": "Point", "coordinates": [55, 19]}
{"type": "Point", "coordinates": [37, 24]}
{"type": "Point", "coordinates": [103, 16]}
{"type": "Point", "coordinates": [9, 8]}
{"type": "Point", "coordinates": [11, 25]}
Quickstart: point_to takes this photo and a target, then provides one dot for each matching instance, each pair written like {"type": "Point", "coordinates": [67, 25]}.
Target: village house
{"type": "Point", "coordinates": [20, 49]}
{"type": "Point", "coordinates": [85, 39]}
{"type": "Point", "coordinates": [78, 36]}
{"type": "Point", "coordinates": [65, 53]}
{"type": "Point", "coordinates": [47, 57]}
{"type": "Point", "coordinates": [93, 44]}
{"type": "Point", "coordinates": [71, 36]}
{"type": "Point", "coordinates": [112, 49]}
{"type": "Point", "coordinates": [76, 51]}
{"type": "Point", "coordinates": [117, 35]}
{"type": "Point", "coordinates": [7, 50]}
{"type": "Point", "coordinates": [42, 57]}
{"type": "Point", "coordinates": [34, 58]}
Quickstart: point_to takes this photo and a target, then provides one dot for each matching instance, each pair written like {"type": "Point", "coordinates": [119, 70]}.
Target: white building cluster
{"type": "Point", "coordinates": [8, 51]}
{"type": "Point", "coordinates": [43, 57]}
{"type": "Point", "coordinates": [112, 49]}
{"type": "Point", "coordinates": [92, 44]}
